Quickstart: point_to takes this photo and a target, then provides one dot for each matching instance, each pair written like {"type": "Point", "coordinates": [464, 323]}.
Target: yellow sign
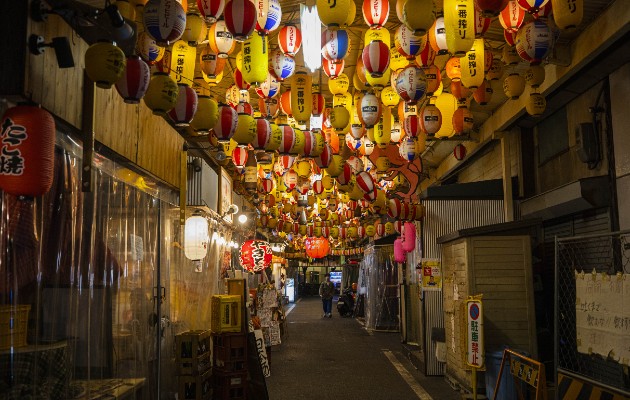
{"type": "Point", "coordinates": [431, 274]}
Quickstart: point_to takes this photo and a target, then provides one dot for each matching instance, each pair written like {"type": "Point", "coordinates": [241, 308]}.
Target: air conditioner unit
{"type": "Point", "coordinates": [586, 142]}
{"type": "Point", "coordinates": [203, 184]}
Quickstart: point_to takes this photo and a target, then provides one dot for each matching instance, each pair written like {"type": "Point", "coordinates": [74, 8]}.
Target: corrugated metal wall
{"type": "Point", "coordinates": [442, 217]}
{"type": "Point", "coordinates": [203, 186]}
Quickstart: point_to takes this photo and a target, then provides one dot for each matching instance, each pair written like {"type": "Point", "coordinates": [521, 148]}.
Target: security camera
{"type": "Point", "coordinates": [196, 164]}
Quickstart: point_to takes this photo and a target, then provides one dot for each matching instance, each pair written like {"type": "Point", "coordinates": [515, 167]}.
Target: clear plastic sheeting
{"type": "Point", "coordinates": [378, 283]}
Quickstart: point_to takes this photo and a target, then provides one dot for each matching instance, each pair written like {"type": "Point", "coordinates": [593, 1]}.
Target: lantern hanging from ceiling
{"type": "Point", "coordinates": [357, 129]}
{"type": "Point", "coordinates": [379, 82]}
{"type": "Point", "coordinates": [256, 59]}
{"type": "Point", "coordinates": [459, 152]}
{"type": "Point", "coordinates": [333, 14]}
{"type": "Point", "coordinates": [276, 138]}
{"type": "Point", "coordinates": [298, 144]}
{"type": "Point", "coordinates": [196, 29]}
{"type": "Point", "coordinates": [325, 157]}
{"type": "Point", "coordinates": [482, 23]}
{"type": "Point", "coordinates": [28, 151]}
{"type": "Point", "coordinates": [490, 8]}
{"type": "Point", "coordinates": [462, 121]}
{"type": "Point", "coordinates": [430, 119]}
{"type": "Point", "coordinates": [426, 55]}
{"type": "Point", "coordinates": [316, 247]}
{"type": "Point", "coordinates": [263, 134]}
{"type": "Point", "coordinates": [206, 116]}
{"type": "Point", "coordinates": [408, 237]}
{"type": "Point", "coordinates": [377, 34]}
{"type": "Point", "coordinates": [437, 36]}
{"type": "Point", "coordinates": [513, 86]}
{"type": "Point", "coordinates": [496, 70]}
{"type": "Point", "coordinates": [418, 15]}
{"type": "Point", "coordinates": [285, 102]}
{"type": "Point", "coordinates": [433, 77]}
{"type": "Point", "coordinates": [267, 185]}
{"type": "Point", "coordinates": [268, 108]}
{"type": "Point", "coordinates": [397, 132]}
{"type": "Point", "coordinates": [104, 63]}
{"type": "Point", "coordinates": [221, 40]}
{"type": "Point", "coordinates": [313, 144]}
{"type": "Point", "coordinates": [407, 43]}
{"type": "Point", "coordinates": [536, 104]}
{"type": "Point", "coordinates": [301, 98]}
{"type": "Point", "coordinates": [471, 66]}
{"type": "Point", "coordinates": [532, 6]}
{"type": "Point", "coordinates": [408, 149]}
{"type": "Point", "coordinates": [375, 12]}
{"type": "Point", "coordinates": [245, 129]}
{"type": "Point", "coordinates": [318, 104]}
{"type": "Point", "coordinates": [269, 87]}
{"type": "Point", "coordinates": [211, 10]}
{"type": "Point", "coordinates": [147, 48]}
{"type": "Point", "coordinates": [390, 97]}
{"type": "Point", "coordinates": [339, 85]}
{"type": "Point", "coordinates": [534, 41]}
{"type": "Point", "coordinates": [289, 40]}
{"type": "Point", "coordinates": [567, 14]}
{"type": "Point", "coordinates": [535, 76]}
{"type": "Point", "coordinates": [283, 66]}
{"type": "Point", "coordinates": [510, 37]}
{"type": "Point", "coordinates": [288, 139]}
{"type": "Point", "coordinates": [134, 82]}
{"type": "Point", "coordinates": [332, 69]}
{"type": "Point", "coordinates": [318, 187]}
{"type": "Point", "coordinates": [339, 118]}
{"type": "Point", "coordinates": [226, 123]}
{"type": "Point", "coordinates": [405, 109]}
{"type": "Point", "coordinates": [510, 55]}
{"type": "Point", "coordinates": [240, 156]}
{"type": "Point", "coordinates": [396, 60]}
{"type": "Point", "coordinates": [376, 58]}
{"type": "Point", "coordinates": [210, 62]}
{"type": "Point", "coordinates": [335, 44]}
{"type": "Point", "coordinates": [446, 103]}
{"type": "Point", "coordinates": [483, 94]}
{"type": "Point", "coordinates": [411, 84]}
{"type": "Point", "coordinates": [240, 83]}
{"type": "Point", "coordinates": [412, 125]}
{"type": "Point", "coordinates": [370, 110]}
{"type": "Point", "coordinates": [512, 16]}
{"type": "Point", "coordinates": [255, 255]}
{"type": "Point", "coordinates": [459, 22]}
{"type": "Point", "coordinates": [196, 238]}
{"type": "Point", "coordinates": [179, 62]}
{"type": "Point", "coordinates": [240, 18]}
{"type": "Point", "coordinates": [164, 21]}
{"type": "Point", "coordinates": [290, 179]}
{"type": "Point", "coordinates": [268, 15]}
{"type": "Point", "coordinates": [161, 96]}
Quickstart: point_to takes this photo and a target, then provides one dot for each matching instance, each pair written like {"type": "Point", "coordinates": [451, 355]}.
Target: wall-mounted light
{"type": "Point", "coordinates": [196, 240]}
{"type": "Point", "coordinates": [232, 209]}
{"type": "Point", "coordinates": [61, 45]}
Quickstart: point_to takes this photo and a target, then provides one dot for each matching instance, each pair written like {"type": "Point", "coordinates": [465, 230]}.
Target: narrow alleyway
{"type": "Point", "coordinates": [337, 358]}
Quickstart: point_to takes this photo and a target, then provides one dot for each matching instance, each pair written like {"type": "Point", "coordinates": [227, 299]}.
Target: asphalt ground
{"type": "Point", "coordinates": [336, 358]}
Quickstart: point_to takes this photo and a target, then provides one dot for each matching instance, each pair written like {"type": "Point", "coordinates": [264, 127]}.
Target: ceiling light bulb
{"type": "Point", "coordinates": [242, 218]}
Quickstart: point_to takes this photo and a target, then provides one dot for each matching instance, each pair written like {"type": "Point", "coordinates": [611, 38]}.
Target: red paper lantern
{"type": "Point", "coordinates": [135, 80]}
{"type": "Point", "coordinates": [318, 104]}
{"type": "Point", "coordinates": [256, 255]}
{"type": "Point", "coordinates": [28, 151]}
{"type": "Point", "coordinates": [211, 10]}
{"type": "Point", "coordinates": [263, 134]}
{"type": "Point", "coordinates": [459, 152]}
{"type": "Point", "coordinates": [316, 247]}
{"type": "Point", "coordinates": [332, 69]}
{"type": "Point", "coordinates": [186, 106]}
{"type": "Point", "coordinates": [239, 156]}
{"type": "Point", "coordinates": [226, 123]}
{"type": "Point", "coordinates": [289, 40]}
{"type": "Point", "coordinates": [376, 58]}
{"type": "Point", "coordinates": [375, 12]}
{"type": "Point", "coordinates": [240, 18]}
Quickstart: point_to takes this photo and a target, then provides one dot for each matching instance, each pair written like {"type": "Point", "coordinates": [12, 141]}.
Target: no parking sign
{"type": "Point", "coordinates": [475, 353]}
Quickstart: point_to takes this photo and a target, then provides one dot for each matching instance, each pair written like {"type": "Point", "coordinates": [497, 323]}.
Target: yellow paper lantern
{"type": "Point", "coordinates": [459, 22]}
{"type": "Point", "coordinates": [536, 104]}
{"type": "Point", "coordinates": [396, 60]}
{"type": "Point", "coordinates": [333, 14]}
{"type": "Point", "coordinates": [471, 68]}
{"type": "Point", "coordinates": [336, 166]}
{"type": "Point", "coordinates": [303, 168]}
{"type": "Point", "coordinates": [181, 59]}
{"type": "Point", "coordinates": [161, 95]}
{"type": "Point", "coordinates": [339, 118]}
{"type": "Point", "coordinates": [339, 85]}
{"type": "Point", "coordinates": [535, 75]}
{"type": "Point", "coordinates": [381, 34]}
{"type": "Point", "coordinates": [380, 82]}
{"type": "Point", "coordinates": [447, 104]}
{"type": "Point", "coordinates": [327, 182]}
{"type": "Point", "coordinates": [255, 59]}
{"type": "Point", "coordinates": [419, 15]}
{"type": "Point", "coordinates": [245, 129]}
{"type": "Point", "coordinates": [298, 144]}
{"type": "Point", "coordinates": [275, 139]}
{"type": "Point", "coordinates": [390, 97]}
{"type": "Point", "coordinates": [105, 63]}
{"type": "Point", "coordinates": [196, 29]}
{"type": "Point", "coordinates": [510, 55]}
{"type": "Point", "coordinates": [301, 97]}
{"type": "Point", "coordinates": [370, 230]}
{"type": "Point", "coordinates": [206, 116]}
{"type": "Point", "coordinates": [567, 14]}
{"type": "Point", "coordinates": [513, 86]}
{"type": "Point", "coordinates": [343, 100]}
{"type": "Point", "coordinates": [389, 228]}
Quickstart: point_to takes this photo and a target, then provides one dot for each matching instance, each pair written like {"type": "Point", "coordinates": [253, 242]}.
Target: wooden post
{"type": "Point", "coordinates": [87, 129]}
{"type": "Point", "coordinates": [183, 184]}
{"type": "Point", "coordinates": [508, 201]}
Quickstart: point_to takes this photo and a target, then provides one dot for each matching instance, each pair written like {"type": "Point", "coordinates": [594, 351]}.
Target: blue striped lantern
{"type": "Point", "coordinates": [407, 43]}
{"type": "Point", "coordinates": [268, 15]}
{"type": "Point", "coordinates": [164, 21]}
{"type": "Point", "coordinates": [532, 6]}
{"type": "Point", "coordinates": [533, 41]}
{"type": "Point", "coordinates": [411, 84]}
{"type": "Point", "coordinates": [407, 149]}
{"type": "Point", "coordinates": [335, 44]}
{"type": "Point", "coordinates": [282, 65]}
{"type": "Point", "coordinates": [269, 87]}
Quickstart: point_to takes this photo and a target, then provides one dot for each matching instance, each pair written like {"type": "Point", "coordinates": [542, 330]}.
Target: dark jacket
{"type": "Point", "coordinates": [327, 290]}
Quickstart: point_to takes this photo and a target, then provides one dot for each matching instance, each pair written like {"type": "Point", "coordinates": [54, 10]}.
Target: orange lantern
{"type": "Point", "coordinates": [316, 247]}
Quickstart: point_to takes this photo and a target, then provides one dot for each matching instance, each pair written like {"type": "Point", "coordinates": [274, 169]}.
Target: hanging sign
{"type": "Point", "coordinates": [181, 62]}
{"type": "Point", "coordinates": [431, 274]}
{"type": "Point", "coordinates": [475, 353]}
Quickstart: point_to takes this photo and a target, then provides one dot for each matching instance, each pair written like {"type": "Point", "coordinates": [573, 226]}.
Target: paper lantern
{"type": "Point", "coordinates": [376, 58]}
{"type": "Point", "coordinates": [412, 125]}
{"type": "Point", "coordinates": [513, 86]}
{"type": "Point", "coordinates": [496, 70]}
{"type": "Point", "coordinates": [462, 121]}
{"type": "Point", "coordinates": [28, 151]}
{"type": "Point", "coordinates": [483, 94]}
{"type": "Point", "coordinates": [240, 18]}
{"type": "Point", "coordinates": [196, 29]}
{"type": "Point", "coordinates": [268, 108]}
{"type": "Point", "coordinates": [255, 255]}
{"type": "Point", "coordinates": [408, 149]}
{"type": "Point", "coordinates": [512, 16]}
{"type": "Point", "coordinates": [447, 104]}
{"type": "Point", "coordinates": [282, 65]}
{"type": "Point", "coordinates": [396, 133]}
{"type": "Point", "coordinates": [318, 102]}
{"type": "Point", "coordinates": [567, 14]}
{"type": "Point", "coordinates": [226, 123]}
{"type": "Point", "coordinates": [245, 131]}
{"type": "Point", "coordinates": [453, 69]}
{"type": "Point", "coordinates": [532, 6]}
{"type": "Point", "coordinates": [335, 44]}
{"type": "Point", "coordinates": [430, 119]}
{"type": "Point", "coordinates": [378, 82]}
{"type": "Point", "coordinates": [375, 12]}
{"type": "Point", "coordinates": [534, 41]}
{"type": "Point", "coordinates": [408, 237]}
{"type": "Point", "coordinates": [255, 59]}
{"type": "Point", "coordinates": [482, 23]}
{"type": "Point", "coordinates": [301, 98]}
{"type": "Point", "coordinates": [389, 97]}
{"type": "Point", "coordinates": [488, 59]}
{"type": "Point", "coordinates": [370, 110]}
{"type": "Point", "coordinates": [316, 247]}
{"type": "Point", "coordinates": [289, 40]}
{"type": "Point", "coordinates": [396, 60]}
{"type": "Point", "coordinates": [210, 62]}
{"type": "Point", "coordinates": [147, 48]}
{"type": "Point", "coordinates": [285, 102]}
{"type": "Point", "coordinates": [206, 116]}
{"type": "Point", "coordinates": [221, 40]}
{"type": "Point", "coordinates": [268, 88]}
{"type": "Point", "coordinates": [426, 55]}
{"type": "Point", "coordinates": [161, 96]}
{"type": "Point", "coordinates": [510, 55]}
{"type": "Point", "coordinates": [411, 83]}
{"type": "Point", "coordinates": [437, 36]}
{"type": "Point", "coordinates": [211, 10]}
{"type": "Point", "coordinates": [288, 139]}
{"type": "Point", "coordinates": [418, 15]}
{"type": "Point", "coordinates": [290, 179]}
{"type": "Point", "coordinates": [372, 35]}
{"type": "Point", "coordinates": [535, 76]}
{"type": "Point", "coordinates": [263, 134]}
{"type": "Point", "coordinates": [536, 104]}
{"type": "Point", "coordinates": [164, 21]}
{"type": "Point", "coordinates": [196, 238]}
{"type": "Point", "coordinates": [459, 152]}
{"type": "Point", "coordinates": [433, 77]}
{"type": "Point", "coordinates": [471, 69]}
{"type": "Point", "coordinates": [244, 108]}
{"type": "Point", "coordinates": [268, 15]}
{"type": "Point", "coordinates": [332, 69]}
{"type": "Point", "coordinates": [298, 144]}
{"type": "Point", "coordinates": [324, 159]}
{"type": "Point", "coordinates": [510, 37]}
{"type": "Point", "coordinates": [459, 22]}
{"type": "Point", "coordinates": [408, 44]}
{"type": "Point", "coordinates": [240, 156]}
{"type": "Point", "coordinates": [134, 81]}
{"type": "Point", "coordinates": [490, 8]}
{"type": "Point", "coordinates": [339, 85]}
{"type": "Point", "coordinates": [333, 14]}
{"type": "Point", "coordinates": [104, 63]}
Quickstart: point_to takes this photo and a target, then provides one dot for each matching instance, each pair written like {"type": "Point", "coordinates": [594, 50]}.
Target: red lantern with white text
{"type": "Point", "coordinates": [459, 152]}
{"type": "Point", "coordinates": [256, 255]}
{"type": "Point", "coordinates": [289, 40]}
{"type": "Point", "coordinates": [316, 247]}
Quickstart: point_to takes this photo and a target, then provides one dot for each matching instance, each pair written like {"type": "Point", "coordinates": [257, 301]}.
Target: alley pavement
{"type": "Point", "coordinates": [336, 358]}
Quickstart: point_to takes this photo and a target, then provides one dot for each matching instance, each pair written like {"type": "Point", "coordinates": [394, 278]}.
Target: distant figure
{"type": "Point", "coordinates": [326, 292]}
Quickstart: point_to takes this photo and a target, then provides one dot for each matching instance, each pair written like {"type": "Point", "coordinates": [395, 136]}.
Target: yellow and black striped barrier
{"type": "Point", "coordinates": [570, 388]}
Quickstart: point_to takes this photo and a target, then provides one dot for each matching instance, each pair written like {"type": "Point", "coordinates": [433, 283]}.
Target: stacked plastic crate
{"type": "Point", "coordinates": [194, 365]}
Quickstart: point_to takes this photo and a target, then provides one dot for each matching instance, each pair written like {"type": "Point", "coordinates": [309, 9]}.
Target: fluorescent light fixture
{"type": "Point", "coordinates": [311, 37]}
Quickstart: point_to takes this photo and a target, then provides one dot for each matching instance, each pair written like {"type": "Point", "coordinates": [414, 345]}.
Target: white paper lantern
{"type": "Point", "coordinates": [196, 238]}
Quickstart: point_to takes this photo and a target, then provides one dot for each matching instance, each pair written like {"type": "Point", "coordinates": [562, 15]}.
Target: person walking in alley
{"type": "Point", "coordinates": [326, 291]}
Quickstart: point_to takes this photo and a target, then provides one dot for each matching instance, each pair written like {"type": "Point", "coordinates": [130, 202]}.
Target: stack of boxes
{"type": "Point", "coordinates": [194, 365]}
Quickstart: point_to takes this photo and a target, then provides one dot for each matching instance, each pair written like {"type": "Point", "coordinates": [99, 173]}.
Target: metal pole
{"type": "Point", "coordinates": [555, 319]}
{"type": "Point", "coordinates": [158, 299]}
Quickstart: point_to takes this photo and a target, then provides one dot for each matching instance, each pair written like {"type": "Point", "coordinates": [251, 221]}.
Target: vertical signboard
{"type": "Point", "coordinates": [475, 353]}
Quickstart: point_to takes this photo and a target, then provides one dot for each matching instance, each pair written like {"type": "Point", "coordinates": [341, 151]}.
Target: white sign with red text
{"type": "Point", "coordinates": [475, 353]}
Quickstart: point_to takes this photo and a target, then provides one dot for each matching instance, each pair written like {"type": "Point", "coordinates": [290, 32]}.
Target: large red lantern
{"type": "Point", "coordinates": [263, 134]}
{"type": "Point", "coordinates": [240, 18]}
{"type": "Point", "coordinates": [28, 151]}
{"type": "Point", "coordinates": [186, 106]}
{"type": "Point", "coordinates": [226, 123]}
{"type": "Point", "coordinates": [375, 12]}
{"type": "Point", "coordinates": [256, 255]}
{"type": "Point", "coordinates": [512, 16]}
{"type": "Point", "coordinates": [316, 247]}
{"type": "Point", "coordinates": [332, 69]}
{"type": "Point", "coordinates": [376, 58]}
{"type": "Point", "coordinates": [239, 156]}
{"type": "Point", "coordinates": [135, 80]}
{"type": "Point", "coordinates": [211, 10]}
{"type": "Point", "coordinates": [289, 40]}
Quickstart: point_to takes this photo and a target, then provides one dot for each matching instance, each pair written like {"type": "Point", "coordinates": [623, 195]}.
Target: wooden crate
{"type": "Point", "coordinates": [226, 313]}
{"type": "Point", "coordinates": [230, 352]}
{"type": "Point", "coordinates": [197, 387]}
{"type": "Point", "coordinates": [232, 386]}
{"type": "Point", "coordinates": [193, 352]}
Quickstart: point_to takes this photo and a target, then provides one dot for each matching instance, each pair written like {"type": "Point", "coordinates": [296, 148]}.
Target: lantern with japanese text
{"type": "Point", "coordinates": [332, 69]}
{"type": "Point", "coordinates": [339, 85]}
{"type": "Point", "coordinates": [210, 62]}
{"type": "Point", "coordinates": [255, 255]}
{"type": "Point", "coordinates": [240, 156]}
{"type": "Point", "coordinates": [370, 110]}
{"type": "Point", "coordinates": [289, 40]}
{"type": "Point", "coordinates": [411, 84]}
{"type": "Point", "coordinates": [268, 15]}
{"type": "Point", "coordinates": [459, 22]}
{"type": "Point", "coordinates": [411, 125]}
{"type": "Point", "coordinates": [245, 129]}
{"type": "Point", "coordinates": [490, 8]}
{"type": "Point", "coordinates": [28, 151]}
{"type": "Point", "coordinates": [221, 40]}
{"type": "Point", "coordinates": [408, 44]}
{"type": "Point", "coordinates": [196, 29]}
{"type": "Point", "coordinates": [483, 94]}
{"type": "Point", "coordinates": [397, 132]}
{"type": "Point", "coordinates": [482, 23]}
{"type": "Point", "coordinates": [447, 104]}
{"type": "Point", "coordinates": [437, 36]}
{"type": "Point", "coordinates": [376, 58]}
{"type": "Point", "coordinates": [418, 15]}
{"type": "Point", "coordinates": [426, 55]}
{"type": "Point", "coordinates": [513, 86]}
{"type": "Point", "coordinates": [567, 14]}
{"type": "Point", "coordinates": [389, 97]}
{"type": "Point", "coordinates": [462, 121]}
{"type": "Point", "coordinates": [408, 149]}
{"type": "Point", "coordinates": [375, 12]}
{"type": "Point", "coordinates": [396, 59]}
{"type": "Point", "coordinates": [255, 59]}
{"type": "Point", "coordinates": [104, 63]}
{"type": "Point", "coordinates": [316, 247]}
{"type": "Point", "coordinates": [512, 16]}
{"type": "Point", "coordinates": [206, 116]}
{"type": "Point", "coordinates": [282, 65]}
{"type": "Point", "coordinates": [536, 104]}
{"type": "Point", "coordinates": [268, 108]}
{"type": "Point", "coordinates": [496, 70]}
{"type": "Point", "coordinates": [335, 44]}
{"type": "Point", "coordinates": [164, 21]}
{"type": "Point", "coordinates": [301, 101]}
{"type": "Point", "coordinates": [471, 69]}
{"type": "Point", "coordinates": [535, 76]}
{"type": "Point", "coordinates": [134, 82]}
{"type": "Point", "coordinates": [534, 41]}
{"type": "Point", "coordinates": [147, 48]}
{"type": "Point", "coordinates": [434, 79]}
{"type": "Point", "coordinates": [333, 14]}
{"type": "Point", "coordinates": [240, 18]}
{"type": "Point", "coordinates": [269, 87]}
{"type": "Point", "coordinates": [211, 10]}
{"type": "Point", "coordinates": [161, 95]}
